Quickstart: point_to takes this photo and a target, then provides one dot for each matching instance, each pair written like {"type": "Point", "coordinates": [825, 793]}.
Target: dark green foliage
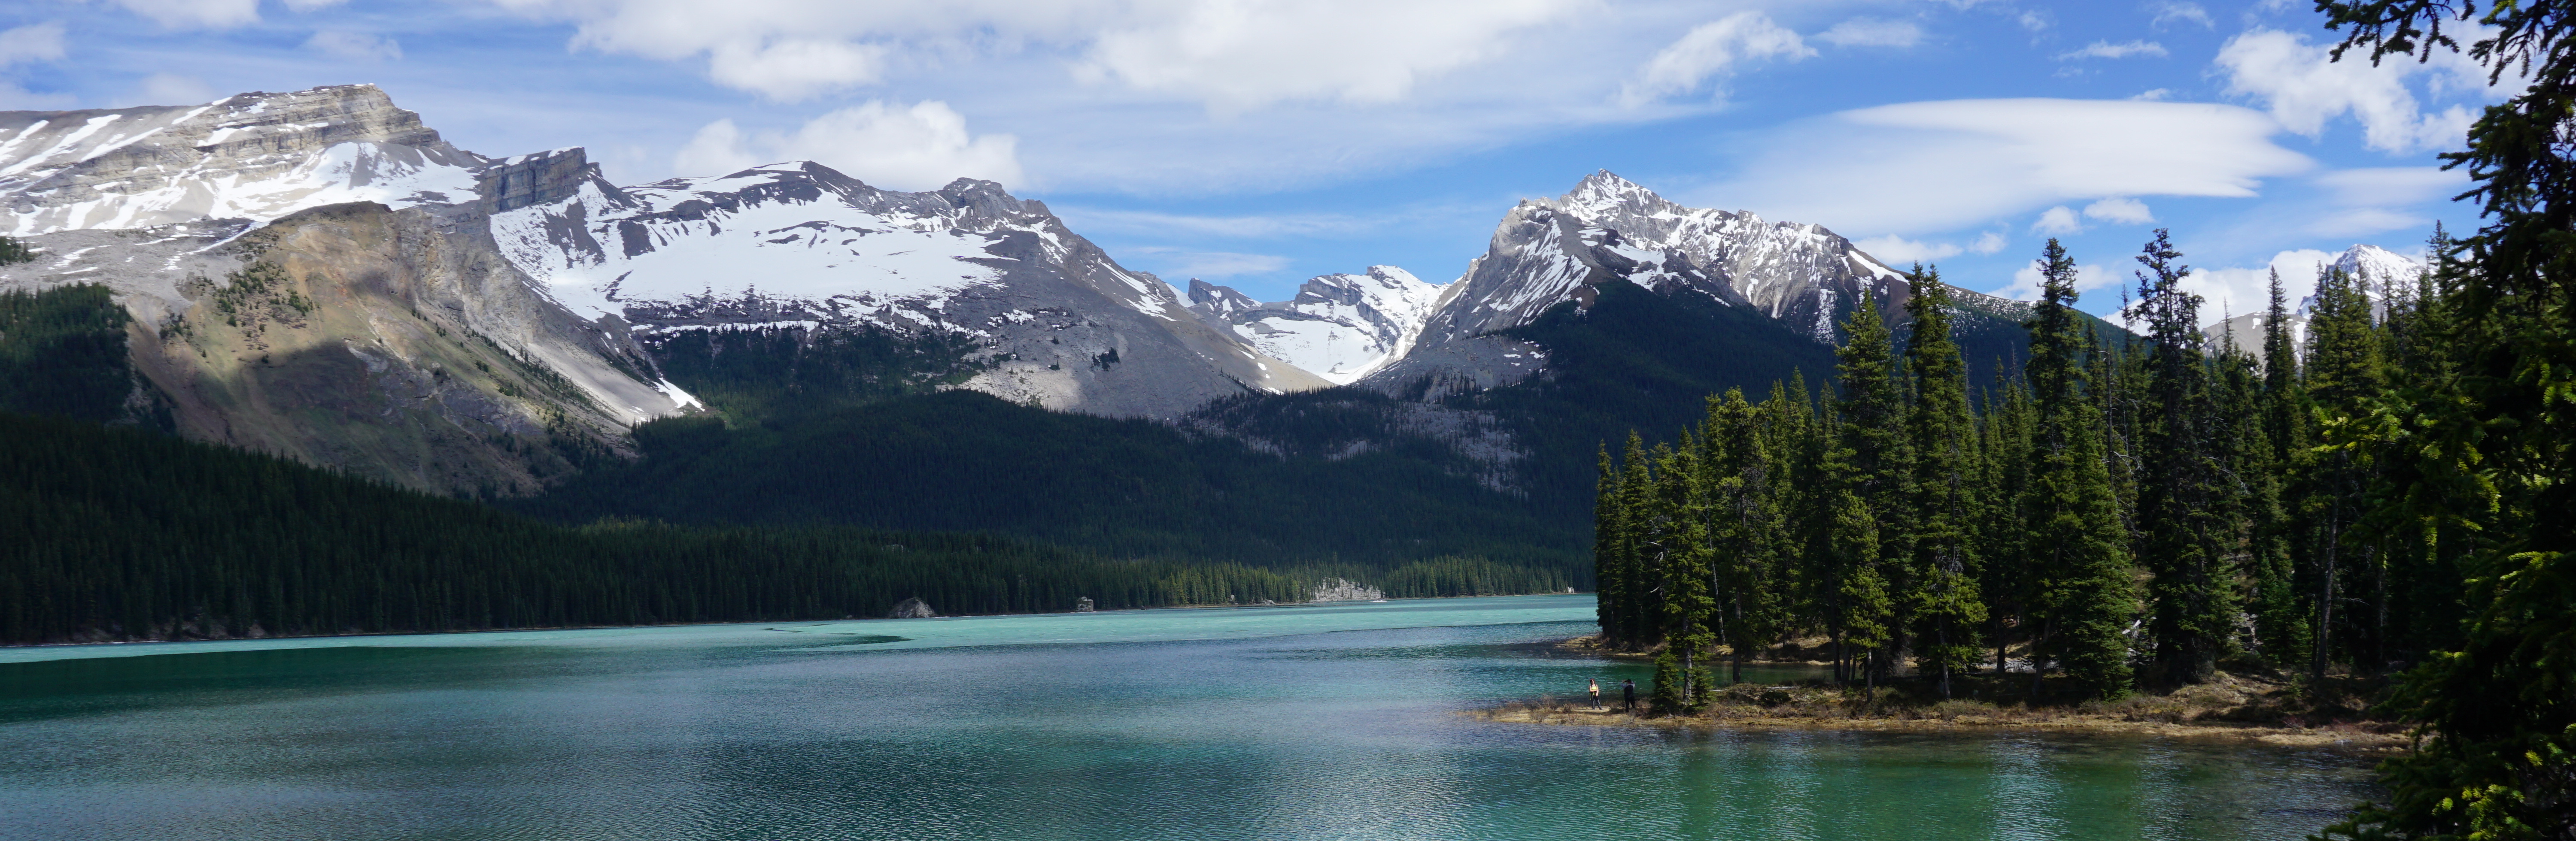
{"type": "Point", "coordinates": [62, 353]}
{"type": "Point", "coordinates": [966, 461]}
{"type": "Point", "coordinates": [1942, 605]}
{"type": "Point", "coordinates": [2189, 506]}
{"type": "Point", "coordinates": [13, 251]}
{"type": "Point", "coordinates": [2080, 600]}
{"type": "Point", "coordinates": [758, 374]}
{"type": "Point", "coordinates": [119, 535]}
{"type": "Point", "coordinates": [2473, 444]}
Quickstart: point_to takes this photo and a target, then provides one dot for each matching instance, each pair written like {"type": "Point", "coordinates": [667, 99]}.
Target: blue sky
{"type": "Point", "coordinates": [1260, 142]}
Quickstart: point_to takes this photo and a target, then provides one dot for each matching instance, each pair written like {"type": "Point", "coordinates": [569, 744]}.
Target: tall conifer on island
{"type": "Point", "coordinates": [1943, 600]}
{"type": "Point", "coordinates": [1609, 569]}
{"type": "Point", "coordinates": [2490, 442]}
{"type": "Point", "coordinates": [2082, 598]}
{"type": "Point", "coordinates": [1870, 470]}
{"type": "Point", "coordinates": [2186, 504]}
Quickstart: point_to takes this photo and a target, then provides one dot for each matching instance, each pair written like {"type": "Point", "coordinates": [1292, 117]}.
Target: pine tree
{"type": "Point", "coordinates": [2281, 620]}
{"type": "Point", "coordinates": [2344, 374]}
{"type": "Point", "coordinates": [1609, 565]}
{"type": "Point", "coordinates": [1944, 605]}
{"type": "Point", "coordinates": [2082, 596]}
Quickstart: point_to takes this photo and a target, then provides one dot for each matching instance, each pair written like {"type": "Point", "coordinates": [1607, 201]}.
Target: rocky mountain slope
{"type": "Point", "coordinates": [1057, 322]}
{"type": "Point", "coordinates": [1340, 326]}
{"type": "Point", "coordinates": [2382, 273]}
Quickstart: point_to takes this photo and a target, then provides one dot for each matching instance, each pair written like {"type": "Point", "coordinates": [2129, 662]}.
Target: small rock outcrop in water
{"type": "Point", "coordinates": [1083, 605]}
{"type": "Point", "coordinates": [1339, 590]}
{"type": "Point", "coordinates": [913, 608]}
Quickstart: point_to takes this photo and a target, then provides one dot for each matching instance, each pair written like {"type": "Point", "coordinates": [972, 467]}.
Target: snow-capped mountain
{"type": "Point", "coordinates": [1061, 324]}
{"type": "Point", "coordinates": [1341, 327]}
{"type": "Point", "coordinates": [254, 156]}
{"type": "Point", "coordinates": [1549, 251]}
{"type": "Point", "coordinates": [2381, 273]}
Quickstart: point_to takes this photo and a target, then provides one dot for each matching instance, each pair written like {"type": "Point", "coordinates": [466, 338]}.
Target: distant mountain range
{"type": "Point", "coordinates": [319, 275]}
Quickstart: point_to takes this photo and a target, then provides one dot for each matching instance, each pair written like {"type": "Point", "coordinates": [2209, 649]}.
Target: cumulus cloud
{"type": "Point", "coordinates": [921, 147]}
{"type": "Point", "coordinates": [1989, 242]}
{"type": "Point", "coordinates": [2247, 290]}
{"type": "Point", "coordinates": [195, 14]}
{"type": "Point", "coordinates": [1231, 56]}
{"type": "Point", "coordinates": [2106, 49]}
{"type": "Point", "coordinates": [2305, 89]}
{"type": "Point", "coordinates": [2089, 277]}
{"type": "Point", "coordinates": [353, 46]}
{"type": "Point", "coordinates": [2126, 211]}
{"type": "Point", "coordinates": [1928, 167]}
{"type": "Point", "coordinates": [2058, 220]}
{"type": "Point", "coordinates": [1872, 32]}
{"type": "Point", "coordinates": [1245, 54]}
{"type": "Point", "coordinates": [1714, 49]}
{"type": "Point", "coordinates": [1896, 251]}
{"type": "Point", "coordinates": [33, 42]}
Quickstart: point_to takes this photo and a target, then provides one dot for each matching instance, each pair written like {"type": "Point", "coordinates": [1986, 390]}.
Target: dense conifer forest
{"type": "Point", "coordinates": [126, 534]}
{"type": "Point", "coordinates": [2392, 498]}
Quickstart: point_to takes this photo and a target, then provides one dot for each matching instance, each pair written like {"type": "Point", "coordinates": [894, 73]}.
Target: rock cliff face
{"type": "Point", "coordinates": [1060, 324]}
{"type": "Point", "coordinates": [1340, 326]}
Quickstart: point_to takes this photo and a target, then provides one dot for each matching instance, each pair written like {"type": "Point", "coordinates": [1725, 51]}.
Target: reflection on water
{"type": "Point", "coordinates": [1310, 722]}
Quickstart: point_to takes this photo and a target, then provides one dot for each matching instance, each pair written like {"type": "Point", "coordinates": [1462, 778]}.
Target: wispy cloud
{"type": "Point", "coordinates": [2106, 49]}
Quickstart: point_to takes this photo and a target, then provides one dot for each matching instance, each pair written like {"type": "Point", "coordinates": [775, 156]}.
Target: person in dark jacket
{"type": "Point", "coordinates": [1628, 689]}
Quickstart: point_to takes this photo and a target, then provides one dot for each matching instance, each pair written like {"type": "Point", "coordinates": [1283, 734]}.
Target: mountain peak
{"type": "Point", "coordinates": [1604, 193]}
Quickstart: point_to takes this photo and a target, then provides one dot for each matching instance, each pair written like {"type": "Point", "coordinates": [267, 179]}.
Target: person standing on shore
{"type": "Point", "coordinates": [1628, 689]}
{"type": "Point", "coordinates": [1594, 684]}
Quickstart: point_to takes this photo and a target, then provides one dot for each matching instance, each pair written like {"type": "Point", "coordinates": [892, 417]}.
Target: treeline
{"type": "Point", "coordinates": [110, 534]}
{"type": "Point", "coordinates": [2124, 512]}
{"type": "Point", "coordinates": [62, 351]}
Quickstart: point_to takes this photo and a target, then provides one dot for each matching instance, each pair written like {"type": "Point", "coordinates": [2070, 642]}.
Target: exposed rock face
{"type": "Point", "coordinates": [1340, 326]}
{"type": "Point", "coordinates": [912, 608]}
{"type": "Point", "coordinates": [1546, 252]}
{"type": "Point", "coordinates": [254, 156]}
{"type": "Point", "coordinates": [1339, 590]}
{"type": "Point", "coordinates": [1061, 324]}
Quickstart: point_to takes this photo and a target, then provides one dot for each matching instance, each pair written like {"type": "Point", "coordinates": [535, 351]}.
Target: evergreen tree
{"type": "Point", "coordinates": [2186, 504]}
{"type": "Point", "coordinates": [1871, 468]}
{"type": "Point", "coordinates": [2488, 445]}
{"type": "Point", "coordinates": [1609, 563]}
{"type": "Point", "coordinates": [2344, 376]}
{"type": "Point", "coordinates": [2081, 592]}
{"type": "Point", "coordinates": [1944, 604]}
{"type": "Point", "coordinates": [2281, 626]}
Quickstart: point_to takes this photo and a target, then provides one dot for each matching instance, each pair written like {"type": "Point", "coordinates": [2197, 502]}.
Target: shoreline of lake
{"type": "Point", "coordinates": [2364, 738]}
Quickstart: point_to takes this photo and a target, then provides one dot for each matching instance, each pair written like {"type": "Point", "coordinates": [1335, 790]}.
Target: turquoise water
{"type": "Point", "coordinates": [1291, 723]}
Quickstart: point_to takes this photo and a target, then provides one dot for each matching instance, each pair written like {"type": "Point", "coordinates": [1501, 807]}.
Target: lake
{"type": "Point", "coordinates": [1332, 721]}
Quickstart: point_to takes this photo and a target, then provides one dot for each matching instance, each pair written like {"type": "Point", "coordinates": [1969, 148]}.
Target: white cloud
{"type": "Point", "coordinates": [33, 42]}
{"type": "Point", "coordinates": [1989, 242]}
{"type": "Point", "coordinates": [1229, 55]}
{"type": "Point", "coordinates": [1928, 167]}
{"type": "Point", "coordinates": [195, 14]}
{"type": "Point", "coordinates": [1181, 262]}
{"type": "Point", "coordinates": [2126, 211]}
{"type": "Point", "coordinates": [1713, 49]}
{"type": "Point", "coordinates": [1896, 251]}
{"type": "Point", "coordinates": [2169, 12]}
{"type": "Point", "coordinates": [173, 89]}
{"type": "Point", "coordinates": [1872, 32]}
{"type": "Point", "coordinates": [310, 5]}
{"type": "Point", "coordinates": [353, 46]}
{"type": "Point", "coordinates": [2394, 186]}
{"type": "Point", "coordinates": [2156, 95]}
{"type": "Point", "coordinates": [1249, 53]}
{"type": "Point", "coordinates": [2034, 21]}
{"type": "Point", "coordinates": [2244, 291]}
{"type": "Point", "coordinates": [2305, 89]}
{"type": "Point", "coordinates": [2058, 220]}
{"type": "Point", "coordinates": [2089, 277]}
{"type": "Point", "coordinates": [921, 147]}
{"type": "Point", "coordinates": [2106, 49]}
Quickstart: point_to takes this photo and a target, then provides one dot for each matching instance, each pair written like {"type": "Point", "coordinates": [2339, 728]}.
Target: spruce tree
{"type": "Point", "coordinates": [2185, 499]}
{"type": "Point", "coordinates": [2082, 596]}
{"type": "Point", "coordinates": [1943, 602]}
{"type": "Point", "coordinates": [2281, 625]}
{"type": "Point", "coordinates": [1609, 569]}
{"type": "Point", "coordinates": [2344, 375]}
{"type": "Point", "coordinates": [1871, 466]}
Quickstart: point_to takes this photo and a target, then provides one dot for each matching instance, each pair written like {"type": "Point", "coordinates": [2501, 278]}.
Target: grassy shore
{"type": "Point", "coordinates": [2248, 703]}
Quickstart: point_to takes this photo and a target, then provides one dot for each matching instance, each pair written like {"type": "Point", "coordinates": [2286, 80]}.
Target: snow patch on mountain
{"type": "Point", "coordinates": [1340, 327]}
